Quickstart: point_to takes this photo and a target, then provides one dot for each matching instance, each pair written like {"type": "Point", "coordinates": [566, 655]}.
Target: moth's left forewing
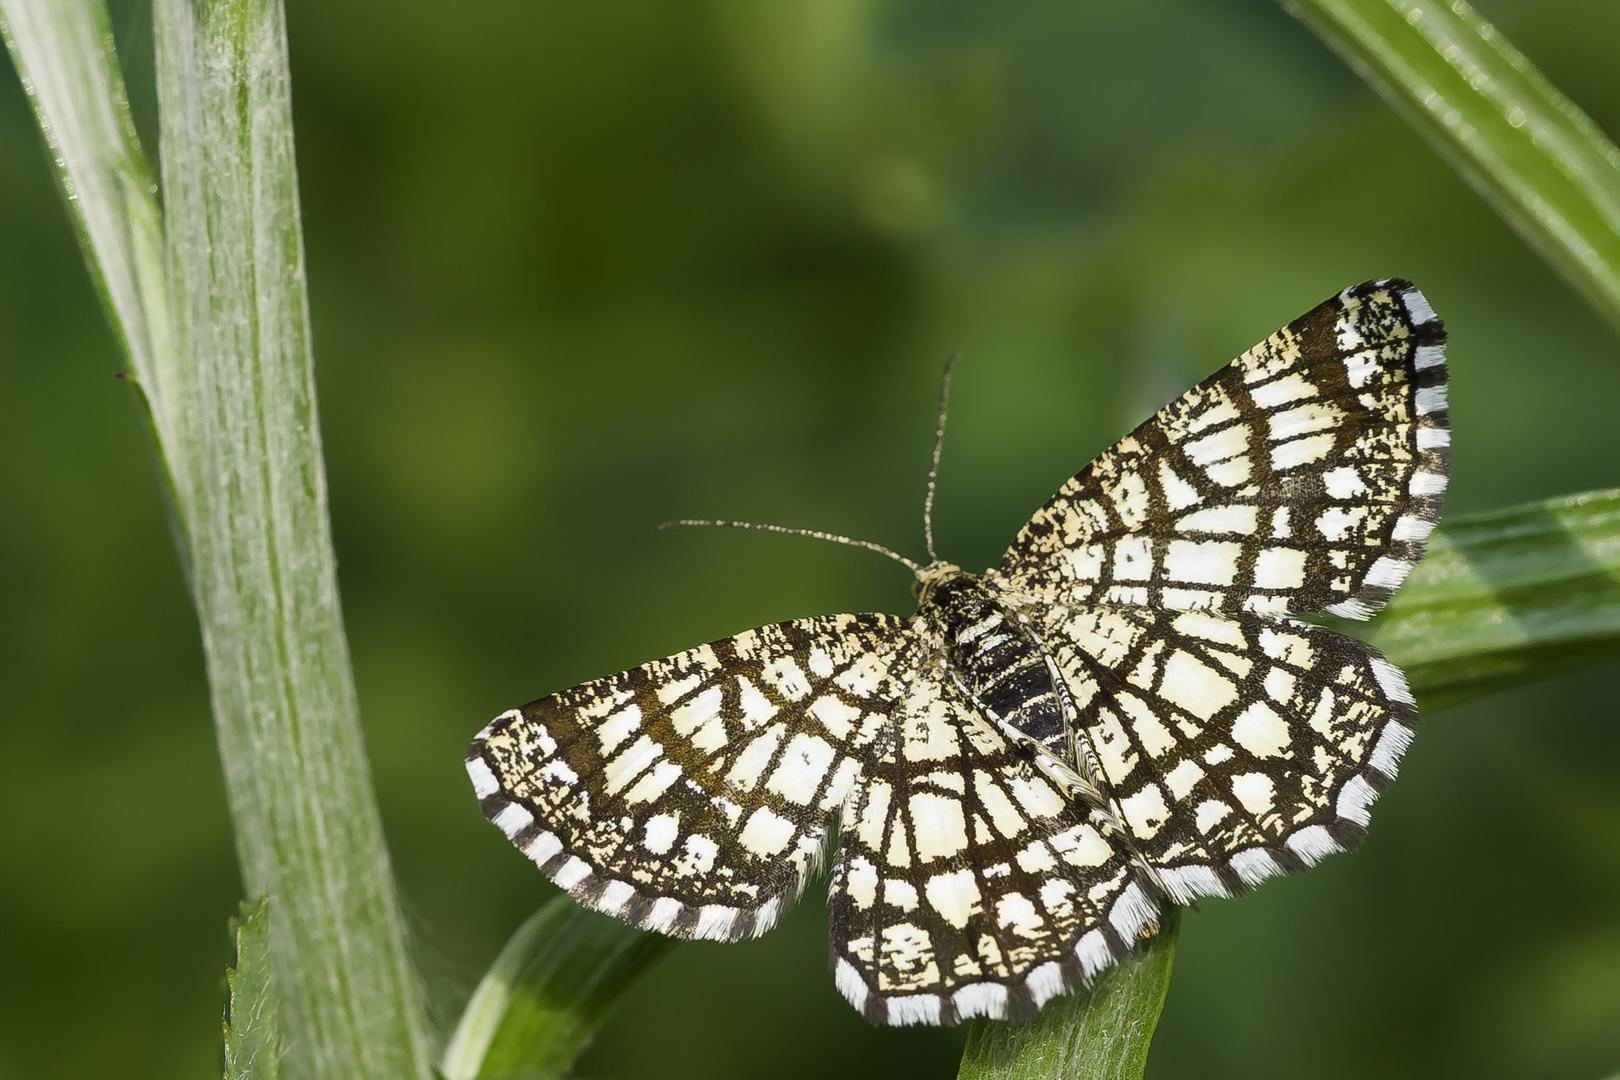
{"type": "Point", "coordinates": [1304, 476]}
{"type": "Point", "coordinates": [692, 795]}
{"type": "Point", "coordinates": [1372, 445]}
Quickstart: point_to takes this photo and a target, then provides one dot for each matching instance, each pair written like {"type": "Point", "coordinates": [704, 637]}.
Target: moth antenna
{"type": "Point", "coordinates": [816, 534]}
{"type": "Point", "coordinates": [933, 470]}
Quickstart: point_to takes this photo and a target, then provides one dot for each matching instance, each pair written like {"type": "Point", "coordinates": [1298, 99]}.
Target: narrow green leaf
{"type": "Point", "coordinates": [63, 50]}
{"type": "Point", "coordinates": [1508, 597]}
{"type": "Point", "coordinates": [253, 488]}
{"type": "Point", "coordinates": [547, 993]}
{"type": "Point", "coordinates": [1540, 161]}
{"type": "Point", "coordinates": [210, 308]}
{"type": "Point", "coordinates": [252, 1047]}
{"type": "Point", "coordinates": [1102, 1035]}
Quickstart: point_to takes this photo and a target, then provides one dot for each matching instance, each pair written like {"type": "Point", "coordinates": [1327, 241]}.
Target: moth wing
{"type": "Point", "coordinates": [1304, 476]}
{"type": "Point", "coordinates": [691, 795]}
{"type": "Point", "coordinates": [1235, 746]}
{"type": "Point", "coordinates": [967, 882]}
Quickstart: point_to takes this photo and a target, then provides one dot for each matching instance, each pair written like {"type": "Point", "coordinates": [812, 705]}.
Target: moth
{"type": "Point", "coordinates": [1125, 713]}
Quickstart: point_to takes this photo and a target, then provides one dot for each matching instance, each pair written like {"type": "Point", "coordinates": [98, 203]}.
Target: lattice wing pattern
{"type": "Point", "coordinates": [1124, 712]}
{"type": "Point", "coordinates": [1304, 476]}
{"type": "Point", "coordinates": [1235, 746]}
{"type": "Point", "coordinates": [967, 883]}
{"type": "Point", "coordinates": [691, 795]}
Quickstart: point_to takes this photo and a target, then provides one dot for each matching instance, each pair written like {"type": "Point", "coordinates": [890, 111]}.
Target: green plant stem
{"type": "Point", "coordinates": [209, 305]}
{"type": "Point", "coordinates": [1102, 1035]}
{"type": "Point", "coordinates": [1534, 156]}
{"type": "Point", "coordinates": [307, 829]}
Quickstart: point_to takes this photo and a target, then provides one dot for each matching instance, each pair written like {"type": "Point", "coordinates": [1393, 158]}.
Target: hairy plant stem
{"type": "Point", "coordinates": [208, 300]}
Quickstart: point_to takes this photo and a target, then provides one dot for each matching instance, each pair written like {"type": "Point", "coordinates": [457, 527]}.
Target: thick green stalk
{"type": "Point", "coordinates": [209, 305]}
{"type": "Point", "coordinates": [1534, 156]}
{"type": "Point", "coordinates": [307, 828]}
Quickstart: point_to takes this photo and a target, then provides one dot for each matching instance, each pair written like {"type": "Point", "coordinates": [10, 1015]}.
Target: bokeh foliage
{"type": "Point", "coordinates": [577, 270]}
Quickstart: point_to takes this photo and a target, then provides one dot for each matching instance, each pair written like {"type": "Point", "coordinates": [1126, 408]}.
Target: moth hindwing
{"type": "Point", "coordinates": [1124, 713]}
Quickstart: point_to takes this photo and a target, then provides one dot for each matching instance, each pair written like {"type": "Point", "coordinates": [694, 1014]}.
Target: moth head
{"type": "Point", "coordinates": [932, 576]}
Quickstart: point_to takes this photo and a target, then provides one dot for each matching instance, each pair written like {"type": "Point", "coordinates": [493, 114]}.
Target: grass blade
{"type": "Point", "coordinates": [548, 992]}
{"type": "Point", "coordinates": [1103, 1035]}
{"type": "Point", "coordinates": [63, 50]}
{"type": "Point", "coordinates": [210, 308]}
{"type": "Point", "coordinates": [252, 1046]}
{"type": "Point", "coordinates": [1534, 156]}
{"type": "Point", "coordinates": [308, 832]}
{"type": "Point", "coordinates": [1508, 597]}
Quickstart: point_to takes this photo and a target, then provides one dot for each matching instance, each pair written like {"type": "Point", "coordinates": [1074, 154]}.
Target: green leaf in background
{"type": "Point", "coordinates": [1534, 156]}
{"type": "Point", "coordinates": [1102, 1035]}
{"type": "Point", "coordinates": [549, 990]}
{"type": "Point", "coordinates": [1508, 597]}
{"type": "Point", "coordinates": [252, 1045]}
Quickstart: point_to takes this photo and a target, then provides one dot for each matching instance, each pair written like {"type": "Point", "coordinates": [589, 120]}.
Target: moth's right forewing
{"type": "Point", "coordinates": [691, 795]}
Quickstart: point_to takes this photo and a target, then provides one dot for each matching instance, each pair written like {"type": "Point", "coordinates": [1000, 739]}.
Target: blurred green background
{"type": "Point", "coordinates": [578, 268]}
